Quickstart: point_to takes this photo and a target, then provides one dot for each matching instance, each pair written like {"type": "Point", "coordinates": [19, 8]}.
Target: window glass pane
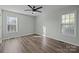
{"type": "Point", "coordinates": [67, 18]}
{"type": "Point", "coordinates": [67, 21]}
{"type": "Point", "coordinates": [72, 18]}
{"type": "Point", "coordinates": [11, 28]}
{"type": "Point", "coordinates": [12, 20]}
{"type": "Point", "coordinates": [68, 29]}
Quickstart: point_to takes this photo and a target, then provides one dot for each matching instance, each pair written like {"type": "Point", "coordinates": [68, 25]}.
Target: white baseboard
{"type": "Point", "coordinates": [16, 36]}
{"type": "Point", "coordinates": [76, 44]}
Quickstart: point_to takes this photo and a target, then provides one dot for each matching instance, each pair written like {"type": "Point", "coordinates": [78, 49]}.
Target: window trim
{"type": "Point", "coordinates": [75, 24]}
{"type": "Point", "coordinates": [7, 24]}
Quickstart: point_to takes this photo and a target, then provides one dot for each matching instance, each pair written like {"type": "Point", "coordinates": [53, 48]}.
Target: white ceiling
{"type": "Point", "coordinates": [21, 8]}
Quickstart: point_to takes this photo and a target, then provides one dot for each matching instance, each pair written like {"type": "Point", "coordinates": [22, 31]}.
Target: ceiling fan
{"type": "Point", "coordinates": [34, 9]}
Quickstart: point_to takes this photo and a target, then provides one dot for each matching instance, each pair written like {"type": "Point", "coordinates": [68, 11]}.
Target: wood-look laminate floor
{"type": "Point", "coordinates": [36, 44]}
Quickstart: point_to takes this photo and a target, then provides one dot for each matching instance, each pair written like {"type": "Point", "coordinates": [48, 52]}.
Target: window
{"type": "Point", "coordinates": [11, 24]}
{"type": "Point", "coordinates": [68, 24]}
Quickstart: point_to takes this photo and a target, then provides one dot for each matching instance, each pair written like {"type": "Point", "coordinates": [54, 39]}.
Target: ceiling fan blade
{"type": "Point", "coordinates": [30, 6]}
{"type": "Point", "coordinates": [39, 7]}
{"type": "Point", "coordinates": [33, 7]}
{"type": "Point", "coordinates": [38, 11]}
{"type": "Point", "coordinates": [27, 10]}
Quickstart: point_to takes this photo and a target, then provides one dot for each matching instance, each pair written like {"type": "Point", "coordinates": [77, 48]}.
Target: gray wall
{"type": "Point", "coordinates": [51, 19]}
{"type": "Point", "coordinates": [25, 24]}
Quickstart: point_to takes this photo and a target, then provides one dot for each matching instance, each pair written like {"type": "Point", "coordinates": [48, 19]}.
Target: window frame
{"type": "Point", "coordinates": [75, 24]}
{"type": "Point", "coordinates": [7, 24]}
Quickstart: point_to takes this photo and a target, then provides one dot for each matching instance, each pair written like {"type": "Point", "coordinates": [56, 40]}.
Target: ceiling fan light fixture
{"type": "Point", "coordinates": [34, 12]}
